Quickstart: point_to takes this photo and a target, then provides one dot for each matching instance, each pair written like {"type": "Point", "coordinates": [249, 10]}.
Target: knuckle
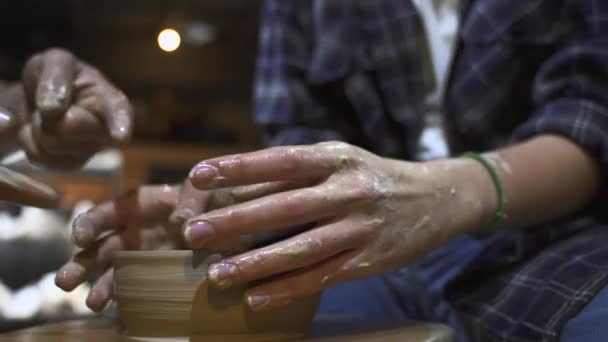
{"type": "Point", "coordinates": [363, 194]}
{"type": "Point", "coordinates": [334, 144]}
{"type": "Point", "coordinates": [370, 231]}
{"type": "Point", "coordinates": [345, 154]}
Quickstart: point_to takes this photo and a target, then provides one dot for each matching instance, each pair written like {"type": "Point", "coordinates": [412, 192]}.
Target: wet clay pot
{"type": "Point", "coordinates": [166, 294]}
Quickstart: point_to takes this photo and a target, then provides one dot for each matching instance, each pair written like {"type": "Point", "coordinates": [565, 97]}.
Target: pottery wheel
{"type": "Point", "coordinates": [325, 329]}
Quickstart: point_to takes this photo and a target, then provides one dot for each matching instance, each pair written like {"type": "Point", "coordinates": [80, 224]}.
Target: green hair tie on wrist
{"type": "Point", "coordinates": [500, 210]}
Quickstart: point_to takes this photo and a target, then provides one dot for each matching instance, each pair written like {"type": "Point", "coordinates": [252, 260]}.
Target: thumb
{"type": "Point", "coordinates": [15, 187]}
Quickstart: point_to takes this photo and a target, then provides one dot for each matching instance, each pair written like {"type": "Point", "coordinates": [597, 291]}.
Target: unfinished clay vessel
{"type": "Point", "coordinates": [166, 294]}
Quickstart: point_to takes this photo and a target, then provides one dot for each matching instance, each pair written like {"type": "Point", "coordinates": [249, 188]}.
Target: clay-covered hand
{"type": "Point", "coordinates": [146, 219]}
{"type": "Point", "coordinates": [136, 220]}
{"type": "Point", "coordinates": [64, 110]}
{"type": "Point", "coordinates": [370, 215]}
{"type": "Point", "coordinates": [193, 202]}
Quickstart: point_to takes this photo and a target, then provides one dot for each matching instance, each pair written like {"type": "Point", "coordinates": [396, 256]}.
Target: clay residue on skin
{"type": "Point", "coordinates": [83, 233]}
{"type": "Point", "coordinates": [296, 247]}
{"type": "Point", "coordinates": [230, 271]}
{"type": "Point", "coordinates": [53, 96]}
{"type": "Point", "coordinates": [421, 223]}
{"type": "Point", "coordinates": [375, 222]}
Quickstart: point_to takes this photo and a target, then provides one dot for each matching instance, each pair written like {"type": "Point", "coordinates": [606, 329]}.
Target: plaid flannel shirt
{"type": "Point", "coordinates": [354, 70]}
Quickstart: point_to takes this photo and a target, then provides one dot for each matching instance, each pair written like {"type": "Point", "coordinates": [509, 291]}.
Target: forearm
{"type": "Point", "coordinates": [545, 178]}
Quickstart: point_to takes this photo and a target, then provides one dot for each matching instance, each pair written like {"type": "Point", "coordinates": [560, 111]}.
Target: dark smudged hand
{"type": "Point", "coordinates": [72, 111]}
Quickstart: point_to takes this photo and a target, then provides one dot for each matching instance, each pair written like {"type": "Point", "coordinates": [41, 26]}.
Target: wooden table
{"type": "Point", "coordinates": [324, 330]}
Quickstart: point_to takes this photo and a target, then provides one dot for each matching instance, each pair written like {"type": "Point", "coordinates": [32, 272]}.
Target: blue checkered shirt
{"type": "Point", "coordinates": [355, 71]}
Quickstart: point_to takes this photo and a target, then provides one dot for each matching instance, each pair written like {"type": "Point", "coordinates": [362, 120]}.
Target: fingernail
{"type": "Point", "coordinates": [121, 127]}
{"type": "Point", "coordinates": [258, 301]}
{"type": "Point", "coordinates": [204, 172]}
{"type": "Point", "coordinates": [70, 276]}
{"type": "Point", "coordinates": [223, 274]}
{"type": "Point", "coordinates": [93, 301]}
{"type": "Point", "coordinates": [199, 232]}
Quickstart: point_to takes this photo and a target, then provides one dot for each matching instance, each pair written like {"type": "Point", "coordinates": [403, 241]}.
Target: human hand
{"type": "Point", "coordinates": [65, 110]}
{"type": "Point", "coordinates": [144, 219]}
{"type": "Point", "coordinates": [372, 215]}
{"type": "Point", "coordinates": [135, 221]}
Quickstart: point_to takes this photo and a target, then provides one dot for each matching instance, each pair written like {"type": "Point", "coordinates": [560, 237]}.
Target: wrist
{"type": "Point", "coordinates": [472, 198]}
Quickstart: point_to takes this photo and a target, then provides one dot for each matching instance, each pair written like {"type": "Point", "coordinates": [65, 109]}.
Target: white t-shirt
{"type": "Point", "coordinates": [440, 18]}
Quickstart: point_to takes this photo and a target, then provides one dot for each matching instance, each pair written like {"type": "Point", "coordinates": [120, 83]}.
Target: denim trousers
{"type": "Point", "coordinates": [415, 293]}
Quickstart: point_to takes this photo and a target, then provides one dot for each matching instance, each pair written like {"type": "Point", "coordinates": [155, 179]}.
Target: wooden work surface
{"type": "Point", "coordinates": [324, 329]}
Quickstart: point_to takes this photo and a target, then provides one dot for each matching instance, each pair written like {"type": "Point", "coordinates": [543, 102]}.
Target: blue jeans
{"type": "Point", "coordinates": [416, 293]}
{"type": "Point", "coordinates": [591, 324]}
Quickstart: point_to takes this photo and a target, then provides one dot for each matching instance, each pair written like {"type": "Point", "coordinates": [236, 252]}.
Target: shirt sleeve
{"type": "Point", "coordinates": [571, 89]}
{"type": "Point", "coordinates": [288, 109]}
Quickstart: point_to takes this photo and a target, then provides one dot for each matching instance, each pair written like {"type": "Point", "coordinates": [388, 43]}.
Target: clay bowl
{"type": "Point", "coordinates": [166, 294]}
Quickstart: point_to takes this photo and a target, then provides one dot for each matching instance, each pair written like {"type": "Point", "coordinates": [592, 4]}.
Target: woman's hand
{"type": "Point", "coordinates": [372, 215]}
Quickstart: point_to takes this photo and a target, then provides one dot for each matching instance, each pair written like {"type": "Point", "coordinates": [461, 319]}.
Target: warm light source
{"type": "Point", "coordinates": [169, 40]}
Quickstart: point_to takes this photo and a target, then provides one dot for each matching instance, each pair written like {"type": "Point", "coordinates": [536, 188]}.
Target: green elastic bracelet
{"type": "Point", "coordinates": [500, 210]}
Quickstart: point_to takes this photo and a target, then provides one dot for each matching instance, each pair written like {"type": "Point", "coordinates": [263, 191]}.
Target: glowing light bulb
{"type": "Point", "coordinates": [169, 40]}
